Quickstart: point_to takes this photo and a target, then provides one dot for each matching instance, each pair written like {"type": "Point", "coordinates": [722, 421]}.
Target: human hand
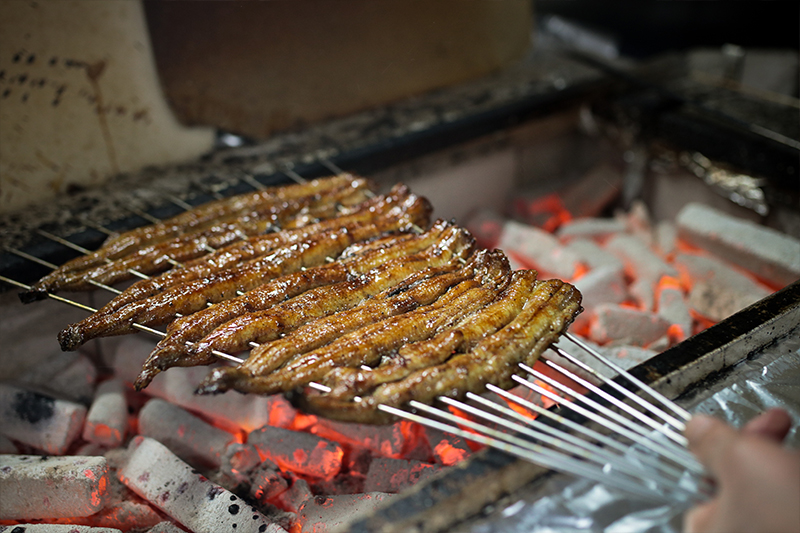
{"type": "Point", "coordinates": [758, 480]}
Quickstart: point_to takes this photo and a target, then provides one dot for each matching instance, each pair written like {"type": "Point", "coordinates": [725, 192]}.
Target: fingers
{"type": "Point", "coordinates": [773, 424]}
{"type": "Point", "coordinates": [701, 517]}
{"type": "Point", "coordinates": [710, 440]}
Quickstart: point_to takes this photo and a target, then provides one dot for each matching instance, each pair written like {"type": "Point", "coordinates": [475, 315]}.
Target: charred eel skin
{"type": "Point", "coordinates": [552, 306]}
{"type": "Point", "coordinates": [155, 248]}
{"type": "Point", "coordinates": [490, 274]}
{"type": "Point", "coordinates": [447, 245]}
{"type": "Point", "coordinates": [194, 295]}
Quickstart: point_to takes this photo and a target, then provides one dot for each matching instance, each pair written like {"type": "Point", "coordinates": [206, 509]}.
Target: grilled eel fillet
{"type": "Point", "coordinates": [392, 205]}
{"type": "Point", "coordinates": [198, 217]}
{"type": "Point", "coordinates": [396, 211]}
{"type": "Point", "coordinates": [366, 345]}
{"type": "Point", "coordinates": [177, 348]}
{"type": "Point", "coordinates": [551, 307]}
{"type": "Point", "coordinates": [346, 382]}
{"type": "Point", "coordinates": [262, 326]}
{"type": "Point", "coordinates": [194, 295]}
{"type": "Point", "coordinates": [159, 255]}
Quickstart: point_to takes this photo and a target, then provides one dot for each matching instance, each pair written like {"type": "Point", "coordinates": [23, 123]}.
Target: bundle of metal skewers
{"type": "Point", "coordinates": [634, 443]}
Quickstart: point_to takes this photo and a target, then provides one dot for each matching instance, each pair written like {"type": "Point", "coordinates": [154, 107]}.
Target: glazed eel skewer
{"type": "Point", "coordinates": [216, 285]}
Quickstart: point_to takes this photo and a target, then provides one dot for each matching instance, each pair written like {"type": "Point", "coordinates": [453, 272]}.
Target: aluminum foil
{"type": "Point", "coordinates": [570, 504]}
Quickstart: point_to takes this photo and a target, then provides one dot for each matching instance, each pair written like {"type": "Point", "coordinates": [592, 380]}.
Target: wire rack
{"type": "Point", "coordinates": [632, 438]}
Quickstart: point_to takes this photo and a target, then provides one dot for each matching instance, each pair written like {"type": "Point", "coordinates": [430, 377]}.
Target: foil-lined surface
{"type": "Point", "coordinates": [566, 504]}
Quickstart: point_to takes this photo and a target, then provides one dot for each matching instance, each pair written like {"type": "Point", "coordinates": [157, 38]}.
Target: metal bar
{"type": "Point", "coordinates": [588, 432]}
{"type": "Point", "coordinates": [566, 442]}
{"type": "Point", "coordinates": [289, 171]}
{"type": "Point", "coordinates": [677, 409]}
{"type": "Point", "coordinates": [327, 163]}
{"type": "Point", "coordinates": [677, 424]}
{"type": "Point", "coordinates": [615, 422]}
{"type": "Point", "coordinates": [83, 250]}
{"type": "Point", "coordinates": [679, 439]}
{"type": "Point", "coordinates": [538, 455]}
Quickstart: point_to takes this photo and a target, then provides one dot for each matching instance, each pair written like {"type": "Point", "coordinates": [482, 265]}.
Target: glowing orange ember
{"type": "Point", "coordinates": [552, 205]}
{"type": "Point", "coordinates": [448, 454]}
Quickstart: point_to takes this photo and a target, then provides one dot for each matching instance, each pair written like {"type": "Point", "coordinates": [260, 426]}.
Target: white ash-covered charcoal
{"type": "Point", "coordinates": [90, 448]}
{"type": "Point", "coordinates": [7, 446]}
{"type": "Point", "coordinates": [666, 238]}
{"type": "Point", "coordinates": [447, 449]}
{"type": "Point", "coordinates": [107, 420]}
{"type": "Point", "coordinates": [387, 440]}
{"type": "Point", "coordinates": [639, 259]}
{"type": "Point", "coordinates": [266, 482]}
{"type": "Point", "coordinates": [39, 420]}
{"type": "Point", "coordinates": [644, 265]}
{"type": "Point", "coordinates": [293, 498]}
{"type": "Point", "coordinates": [642, 291]}
{"type": "Point", "coordinates": [394, 475]}
{"type": "Point", "coordinates": [604, 285]}
{"type": "Point", "coordinates": [768, 253]}
{"type": "Point", "coordinates": [160, 477]}
{"type": "Point", "coordinates": [238, 463]}
{"type": "Point", "coordinates": [35, 487]}
{"type": "Point", "coordinates": [127, 515]}
{"type": "Point", "coordinates": [124, 508]}
{"type": "Point", "coordinates": [298, 451]}
{"type": "Point", "coordinates": [591, 228]}
{"type": "Point", "coordinates": [593, 255]}
{"type": "Point", "coordinates": [165, 527]}
{"type": "Point", "coordinates": [230, 410]}
{"type": "Point", "coordinates": [623, 325]}
{"type": "Point", "coordinates": [539, 247]}
{"type": "Point", "coordinates": [718, 290]}
{"type": "Point", "coordinates": [323, 514]}
{"type": "Point", "coordinates": [638, 222]}
{"type": "Point", "coordinates": [70, 376]}
{"type": "Point", "coordinates": [629, 356]}
{"type": "Point", "coordinates": [673, 305]}
{"type": "Point", "coordinates": [56, 528]}
{"type": "Point", "coordinates": [191, 438]}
